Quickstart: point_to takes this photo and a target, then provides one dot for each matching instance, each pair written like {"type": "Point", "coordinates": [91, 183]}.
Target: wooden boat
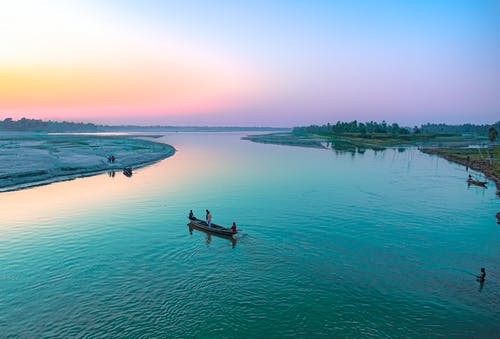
{"type": "Point", "coordinates": [127, 171]}
{"type": "Point", "coordinates": [214, 228]}
{"type": "Point", "coordinates": [477, 183]}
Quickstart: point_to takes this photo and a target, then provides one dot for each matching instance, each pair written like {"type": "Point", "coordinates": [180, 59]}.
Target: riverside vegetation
{"type": "Point", "coordinates": [452, 142]}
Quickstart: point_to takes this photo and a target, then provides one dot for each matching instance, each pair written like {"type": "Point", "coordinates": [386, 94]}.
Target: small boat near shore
{"type": "Point", "coordinates": [127, 171]}
{"type": "Point", "coordinates": [476, 182]}
{"type": "Point", "coordinates": [214, 228]}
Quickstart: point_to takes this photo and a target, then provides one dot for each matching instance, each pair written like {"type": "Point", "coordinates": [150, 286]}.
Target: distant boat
{"type": "Point", "coordinates": [476, 182]}
{"type": "Point", "coordinates": [214, 228]}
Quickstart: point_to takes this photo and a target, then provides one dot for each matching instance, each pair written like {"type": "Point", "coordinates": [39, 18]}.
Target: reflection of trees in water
{"type": "Point", "coordinates": [342, 147]}
{"type": "Point", "coordinates": [346, 147]}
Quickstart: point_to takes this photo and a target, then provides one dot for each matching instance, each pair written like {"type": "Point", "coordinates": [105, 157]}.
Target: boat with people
{"type": "Point", "coordinates": [214, 228]}
{"type": "Point", "coordinates": [476, 182]}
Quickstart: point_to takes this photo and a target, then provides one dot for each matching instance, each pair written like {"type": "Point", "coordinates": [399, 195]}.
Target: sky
{"type": "Point", "coordinates": [250, 63]}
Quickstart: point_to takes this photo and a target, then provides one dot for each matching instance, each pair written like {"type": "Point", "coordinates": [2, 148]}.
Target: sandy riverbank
{"type": "Point", "coordinates": [30, 159]}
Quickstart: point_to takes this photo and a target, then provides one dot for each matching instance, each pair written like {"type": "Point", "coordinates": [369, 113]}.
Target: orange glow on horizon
{"type": "Point", "coordinates": [148, 88]}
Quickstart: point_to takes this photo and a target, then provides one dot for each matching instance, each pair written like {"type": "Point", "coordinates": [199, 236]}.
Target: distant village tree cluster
{"type": "Point", "coordinates": [482, 130]}
{"type": "Point", "coordinates": [353, 127]}
{"type": "Point", "coordinates": [36, 125]}
{"type": "Point", "coordinates": [365, 128]}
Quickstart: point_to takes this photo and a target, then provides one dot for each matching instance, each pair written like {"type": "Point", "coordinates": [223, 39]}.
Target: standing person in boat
{"type": "Point", "coordinates": [209, 218]}
{"type": "Point", "coordinates": [191, 215]}
{"type": "Point", "coordinates": [233, 228]}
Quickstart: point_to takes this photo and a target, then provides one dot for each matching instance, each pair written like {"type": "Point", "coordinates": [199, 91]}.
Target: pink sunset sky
{"type": "Point", "coordinates": [256, 63]}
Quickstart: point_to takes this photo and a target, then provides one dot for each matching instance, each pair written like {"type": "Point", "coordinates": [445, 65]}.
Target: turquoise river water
{"type": "Point", "coordinates": [332, 244]}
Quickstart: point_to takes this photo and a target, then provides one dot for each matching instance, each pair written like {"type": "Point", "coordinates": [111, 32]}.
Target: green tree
{"type": "Point", "coordinates": [492, 135]}
{"type": "Point", "coordinates": [395, 128]}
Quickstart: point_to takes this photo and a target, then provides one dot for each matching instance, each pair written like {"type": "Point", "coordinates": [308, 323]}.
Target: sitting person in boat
{"type": "Point", "coordinates": [482, 276]}
{"type": "Point", "coordinates": [191, 215]}
{"type": "Point", "coordinates": [209, 218]}
{"type": "Point", "coordinates": [233, 228]}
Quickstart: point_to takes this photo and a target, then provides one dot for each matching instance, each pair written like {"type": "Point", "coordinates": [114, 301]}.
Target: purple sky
{"type": "Point", "coordinates": [258, 63]}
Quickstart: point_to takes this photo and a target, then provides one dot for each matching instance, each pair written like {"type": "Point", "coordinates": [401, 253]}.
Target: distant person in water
{"type": "Point", "coordinates": [482, 276]}
{"type": "Point", "coordinates": [233, 228]}
{"type": "Point", "coordinates": [112, 158]}
{"type": "Point", "coordinates": [191, 215]}
{"type": "Point", "coordinates": [209, 218]}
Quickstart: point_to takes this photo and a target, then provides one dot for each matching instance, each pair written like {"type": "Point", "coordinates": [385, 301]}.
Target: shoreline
{"type": "Point", "coordinates": [478, 165]}
{"type": "Point", "coordinates": [446, 147]}
{"type": "Point", "coordinates": [285, 139]}
{"type": "Point", "coordinates": [29, 161]}
{"type": "Point", "coordinates": [69, 177]}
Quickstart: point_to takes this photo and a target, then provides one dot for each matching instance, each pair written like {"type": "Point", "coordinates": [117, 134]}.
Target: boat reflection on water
{"type": "Point", "coordinates": [209, 235]}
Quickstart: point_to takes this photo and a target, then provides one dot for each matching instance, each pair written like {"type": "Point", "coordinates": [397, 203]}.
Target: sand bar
{"type": "Point", "coordinates": [32, 159]}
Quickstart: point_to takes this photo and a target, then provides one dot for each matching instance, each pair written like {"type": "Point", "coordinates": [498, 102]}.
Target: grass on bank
{"type": "Point", "coordinates": [488, 157]}
{"type": "Point", "coordinates": [366, 140]}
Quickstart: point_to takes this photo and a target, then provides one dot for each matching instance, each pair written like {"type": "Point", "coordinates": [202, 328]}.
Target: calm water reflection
{"type": "Point", "coordinates": [208, 236]}
{"type": "Point", "coordinates": [361, 243]}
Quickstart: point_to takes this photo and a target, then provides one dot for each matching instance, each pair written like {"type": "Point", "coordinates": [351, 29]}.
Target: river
{"type": "Point", "coordinates": [339, 244]}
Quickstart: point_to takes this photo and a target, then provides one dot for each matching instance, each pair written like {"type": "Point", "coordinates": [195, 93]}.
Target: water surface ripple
{"type": "Point", "coordinates": [335, 244]}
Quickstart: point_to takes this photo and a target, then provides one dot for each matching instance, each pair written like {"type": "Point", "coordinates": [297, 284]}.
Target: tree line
{"type": "Point", "coordinates": [482, 130]}
{"type": "Point", "coordinates": [384, 127]}
{"type": "Point", "coordinates": [36, 125]}
{"type": "Point", "coordinates": [355, 127]}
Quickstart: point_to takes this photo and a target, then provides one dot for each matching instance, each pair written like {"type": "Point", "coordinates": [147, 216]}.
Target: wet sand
{"type": "Point", "coordinates": [31, 159]}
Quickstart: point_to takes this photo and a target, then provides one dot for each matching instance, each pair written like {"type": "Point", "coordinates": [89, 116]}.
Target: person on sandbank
{"type": "Point", "coordinates": [209, 218]}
